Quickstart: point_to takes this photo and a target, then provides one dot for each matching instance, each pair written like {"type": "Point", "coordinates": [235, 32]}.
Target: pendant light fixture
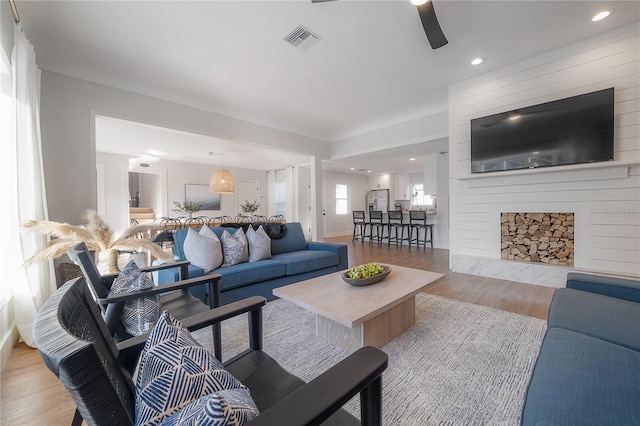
{"type": "Point", "coordinates": [222, 180]}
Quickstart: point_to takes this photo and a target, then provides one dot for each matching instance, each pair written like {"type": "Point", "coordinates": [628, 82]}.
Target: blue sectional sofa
{"type": "Point", "coordinates": [588, 369]}
{"type": "Point", "coordinates": [293, 259]}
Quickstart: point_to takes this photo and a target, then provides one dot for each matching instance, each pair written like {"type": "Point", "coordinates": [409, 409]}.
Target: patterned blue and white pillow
{"type": "Point", "coordinates": [235, 248]}
{"type": "Point", "coordinates": [138, 315]}
{"type": "Point", "coordinates": [173, 370]}
{"type": "Point", "coordinates": [230, 407]}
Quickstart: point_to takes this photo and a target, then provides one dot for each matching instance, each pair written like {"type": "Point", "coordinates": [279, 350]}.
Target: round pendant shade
{"type": "Point", "coordinates": [222, 182]}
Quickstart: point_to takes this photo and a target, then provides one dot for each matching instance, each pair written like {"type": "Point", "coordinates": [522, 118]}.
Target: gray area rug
{"type": "Point", "coordinates": [460, 364]}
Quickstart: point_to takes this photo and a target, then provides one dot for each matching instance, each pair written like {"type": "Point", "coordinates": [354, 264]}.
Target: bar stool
{"type": "Point", "coordinates": [359, 225]}
{"type": "Point", "coordinates": [375, 220]}
{"type": "Point", "coordinates": [418, 221]}
{"type": "Point", "coordinates": [396, 222]}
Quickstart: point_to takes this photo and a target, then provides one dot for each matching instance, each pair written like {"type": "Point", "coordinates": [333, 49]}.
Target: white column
{"type": "Point", "coordinates": [317, 228]}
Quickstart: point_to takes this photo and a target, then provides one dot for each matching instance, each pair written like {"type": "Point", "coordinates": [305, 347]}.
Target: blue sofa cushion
{"type": "Point", "coordinates": [247, 273]}
{"type": "Point", "coordinates": [299, 262]}
{"type": "Point", "coordinates": [580, 380]}
{"type": "Point", "coordinates": [603, 317]}
{"type": "Point", "coordinates": [621, 288]}
{"type": "Point", "coordinates": [294, 240]}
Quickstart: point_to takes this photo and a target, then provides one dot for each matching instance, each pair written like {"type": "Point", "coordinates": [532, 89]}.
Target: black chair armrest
{"type": "Point", "coordinates": [313, 403]}
{"type": "Point", "coordinates": [163, 288]}
{"type": "Point", "coordinates": [182, 264]}
{"type": "Point", "coordinates": [108, 279]}
{"type": "Point", "coordinates": [130, 349]}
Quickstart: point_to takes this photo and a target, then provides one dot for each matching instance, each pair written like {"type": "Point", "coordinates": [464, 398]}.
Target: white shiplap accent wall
{"type": "Point", "coordinates": [605, 200]}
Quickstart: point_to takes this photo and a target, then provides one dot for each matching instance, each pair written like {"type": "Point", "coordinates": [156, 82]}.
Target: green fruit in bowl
{"type": "Point", "coordinates": [365, 271]}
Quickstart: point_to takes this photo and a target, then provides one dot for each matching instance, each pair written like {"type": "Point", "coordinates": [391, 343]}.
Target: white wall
{"type": "Point", "coordinates": [179, 174]}
{"type": "Point", "coordinates": [606, 201]}
{"type": "Point", "coordinates": [68, 110]}
{"type": "Point", "coordinates": [339, 225]}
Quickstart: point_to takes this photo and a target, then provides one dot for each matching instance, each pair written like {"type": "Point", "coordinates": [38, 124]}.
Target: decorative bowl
{"type": "Point", "coordinates": [367, 281]}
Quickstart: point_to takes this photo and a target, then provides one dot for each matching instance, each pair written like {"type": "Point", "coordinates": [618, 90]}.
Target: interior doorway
{"type": "Point", "coordinates": [249, 191]}
{"type": "Point", "coordinates": [144, 196]}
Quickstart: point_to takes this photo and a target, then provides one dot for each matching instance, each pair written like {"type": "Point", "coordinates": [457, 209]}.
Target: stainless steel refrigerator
{"type": "Point", "coordinates": [378, 200]}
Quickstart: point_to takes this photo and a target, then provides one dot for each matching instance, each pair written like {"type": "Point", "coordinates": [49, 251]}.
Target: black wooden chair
{"type": "Point", "coordinates": [195, 222]}
{"type": "Point", "coordinates": [360, 224]}
{"type": "Point", "coordinates": [168, 225]}
{"type": "Point", "coordinates": [418, 221]}
{"type": "Point", "coordinates": [174, 297]}
{"type": "Point", "coordinates": [78, 348]}
{"type": "Point", "coordinates": [376, 222]}
{"type": "Point", "coordinates": [395, 223]}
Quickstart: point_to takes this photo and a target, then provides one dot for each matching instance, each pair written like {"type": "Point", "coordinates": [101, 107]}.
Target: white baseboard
{"type": "Point", "coordinates": [337, 234]}
{"type": "Point", "coordinates": [9, 340]}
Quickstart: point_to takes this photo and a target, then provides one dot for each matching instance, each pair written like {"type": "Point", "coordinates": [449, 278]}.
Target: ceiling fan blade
{"type": "Point", "coordinates": [431, 25]}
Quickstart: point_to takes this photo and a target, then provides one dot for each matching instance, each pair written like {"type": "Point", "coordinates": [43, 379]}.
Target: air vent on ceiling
{"type": "Point", "coordinates": [301, 38]}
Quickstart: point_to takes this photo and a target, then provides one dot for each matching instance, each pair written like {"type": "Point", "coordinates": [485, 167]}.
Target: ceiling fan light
{"type": "Point", "coordinates": [601, 15]}
{"type": "Point", "coordinates": [418, 2]}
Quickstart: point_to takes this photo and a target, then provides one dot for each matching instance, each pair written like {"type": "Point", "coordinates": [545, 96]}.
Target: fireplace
{"type": "Point", "coordinates": [538, 237]}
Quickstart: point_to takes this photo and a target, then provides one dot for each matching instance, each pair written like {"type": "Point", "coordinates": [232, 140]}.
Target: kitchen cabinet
{"type": "Point", "coordinates": [431, 174]}
{"type": "Point", "coordinates": [378, 182]}
{"type": "Point", "coordinates": [401, 187]}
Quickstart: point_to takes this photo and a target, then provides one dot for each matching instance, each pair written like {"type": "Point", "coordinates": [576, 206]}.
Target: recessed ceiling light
{"type": "Point", "coordinates": [477, 61]}
{"type": "Point", "coordinates": [412, 159]}
{"type": "Point", "coordinates": [368, 171]}
{"type": "Point", "coordinates": [418, 2]}
{"type": "Point", "coordinates": [352, 168]}
{"type": "Point", "coordinates": [601, 15]}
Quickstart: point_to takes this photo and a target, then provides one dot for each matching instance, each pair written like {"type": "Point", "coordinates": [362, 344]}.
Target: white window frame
{"type": "Point", "coordinates": [342, 199]}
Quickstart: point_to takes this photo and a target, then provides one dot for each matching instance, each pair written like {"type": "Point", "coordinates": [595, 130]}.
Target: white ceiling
{"type": "Point", "coordinates": [372, 66]}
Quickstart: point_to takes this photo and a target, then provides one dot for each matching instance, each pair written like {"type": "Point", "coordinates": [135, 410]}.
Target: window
{"type": "Point", "coordinates": [418, 197]}
{"type": "Point", "coordinates": [342, 197]}
{"type": "Point", "coordinates": [281, 196]}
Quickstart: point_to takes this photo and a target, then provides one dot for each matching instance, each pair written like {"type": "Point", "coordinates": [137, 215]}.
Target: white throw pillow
{"type": "Point", "coordinates": [203, 249]}
{"type": "Point", "coordinates": [235, 248]}
{"type": "Point", "coordinates": [259, 244]}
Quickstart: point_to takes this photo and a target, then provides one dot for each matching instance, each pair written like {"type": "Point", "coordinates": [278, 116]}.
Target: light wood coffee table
{"type": "Point", "coordinates": [352, 317]}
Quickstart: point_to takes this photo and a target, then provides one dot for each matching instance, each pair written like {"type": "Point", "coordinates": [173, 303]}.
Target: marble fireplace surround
{"type": "Point", "coordinates": [550, 272]}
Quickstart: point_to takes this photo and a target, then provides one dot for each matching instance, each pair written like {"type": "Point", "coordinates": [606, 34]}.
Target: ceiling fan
{"type": "Point", "coordinates": [429, 22]}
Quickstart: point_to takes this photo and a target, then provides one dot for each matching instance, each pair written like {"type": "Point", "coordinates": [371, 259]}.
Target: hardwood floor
{"type": "Point", "coordinates": [31, 395]}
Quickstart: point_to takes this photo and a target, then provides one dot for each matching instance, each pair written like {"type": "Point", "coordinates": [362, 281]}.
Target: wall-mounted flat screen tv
{"type": "Point", "coordinates": [573, 130]}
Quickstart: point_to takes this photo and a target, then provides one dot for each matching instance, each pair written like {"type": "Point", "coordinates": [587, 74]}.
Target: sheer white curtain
{"type": "Point", "coordinates": [281, 193]}
{"type": "Point", "coordinates": [25, 191]}
{"type": "Point", "coordinates": [271, 191]}
{"type": "Point", "coordinates": [290, 195]}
